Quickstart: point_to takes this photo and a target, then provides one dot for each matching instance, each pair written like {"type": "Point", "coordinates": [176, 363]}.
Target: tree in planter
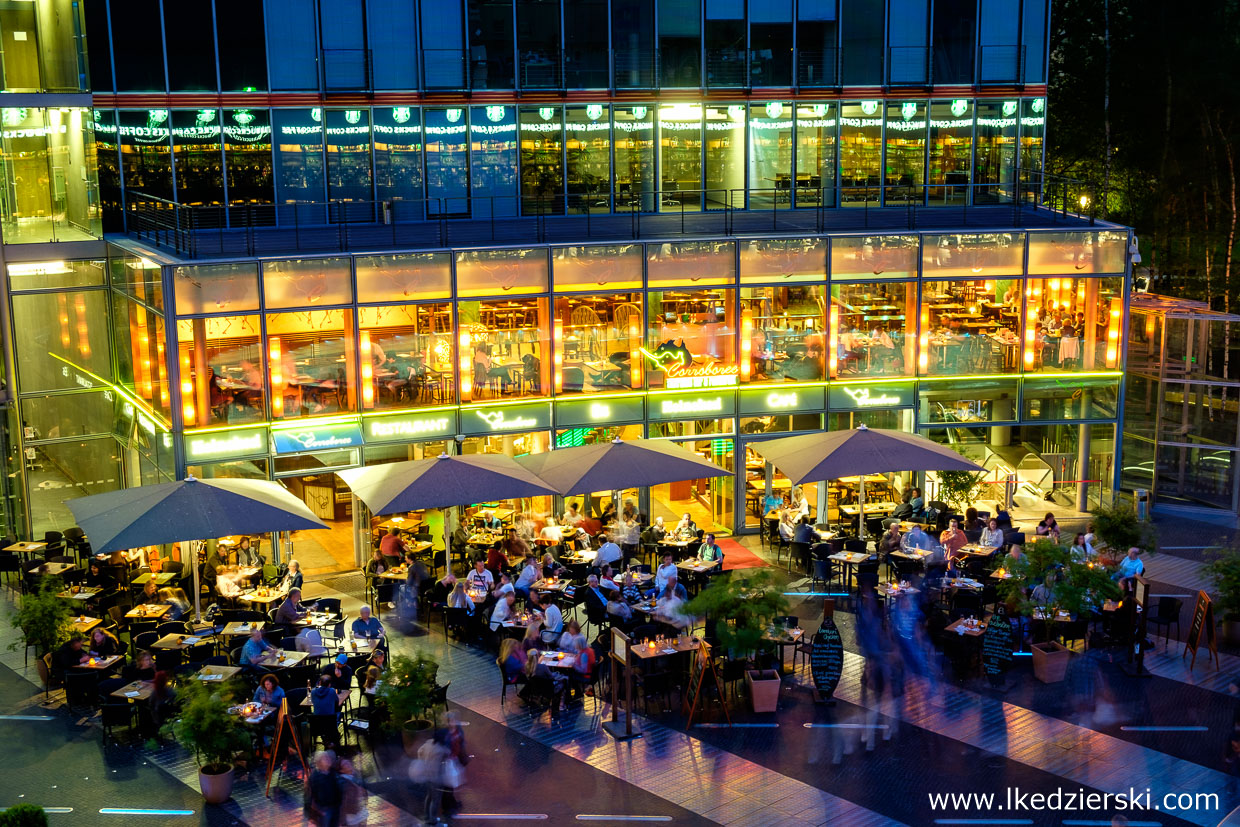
{"type": "Point", "coordinates": [1047, 580]}
{"type": "Point", "coordinates": [1119, 530]}
{"type": "Point", "coordinates": [43, 618]}
{"type": "Point", "coordinates": [959, 488]}
{"type": "Point", "coordinates": [743, 605]}
{"type": "Point", "coordinates": [204, 726]}
{"type": "Point", "coordinates": [407, 690]}
{"type": "Point", "coordinates": [1223, 569]}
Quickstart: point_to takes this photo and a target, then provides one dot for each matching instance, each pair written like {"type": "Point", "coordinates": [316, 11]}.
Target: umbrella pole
{"type": "Point", "coordinates": [193, 554]}
{"type": "Point", "coordinates": [861, 509]}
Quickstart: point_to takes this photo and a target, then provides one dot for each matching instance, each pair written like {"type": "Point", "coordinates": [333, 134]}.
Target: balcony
{"type": "Point", "coordinates": [346, 70]}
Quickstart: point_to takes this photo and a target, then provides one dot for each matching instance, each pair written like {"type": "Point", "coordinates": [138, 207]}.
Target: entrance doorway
{"type": "Point", "coordinates": [329, 499]}
{"type": "Point", "coordinates": [709, 501]}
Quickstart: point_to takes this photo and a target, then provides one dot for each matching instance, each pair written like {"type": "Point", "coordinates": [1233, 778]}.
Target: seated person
{"type": "Point", "coordinates": [376, 565]}
{"type": "Point", "coordinates": [551, 533]}
{"type": "Point", "coordinates": [530, 574]}
{"type": "Point", "coordinates": [489, 521]}
{"type": "Point", "coordinates": [804, 532]}
{"type": "Point", "coordinates": [480, 579]}
{"type": "Point", "coordinates": [254, 650]}
{"type": "Point", "coordinates": [787, 526]}
{"type": "Point", "coordinates": [890, 541]}
{"type": "Point", "coordinates": [572, 517]}
{"type": "Point", "coordinates": [709, 552]}
{"type": "Point", "coordinates": [504, 609]}
{"type": "Point", "coordinates": [917, 539]}
{"type": "Point", "coordinates": [608, 552]}
{"type": "Point", "coordinates": [550, 568]}
{"type": "Point", "coordinates": [953, 538]}
{"type": "Point", "coordinates": [269, 691]}
{"type": "Point", "coordinates": [630, 590]}
{"type": "Point", "coordinates": [686, 529]}
{"type": "Point", "coordinates": [496, 561]}
{"type": "Point", "coordinates": [290, 611]}
{"type": "Point", "coordinates": [1048, 527]}
{"type": "Point", "coordinates": [247, 554]}
{"type": "Point", "coordinates": [1014, 554]}
{"type": "Point", "coordinates": [103, 644]}
{"type": "Point", "coordinates": [323, 698]}
{"type": "Point", "coordinates": [292, 580]}
{"type": "Point", "coordinates": [553, 620]}
{"type": "Point", "coordinates": [142, 668]}
{"type": "Point", "coordinates": [594, 595]}
{"type": "Point", "coordinates": [663, 572]}
{"type": "Point", "coordinates": [617, 608]}
{"type": "Point", "coordinates": [673, 588]}
{"type": "Point", "coordinates": [97, 578]}
{"type": "Point", "coordinates": [992, 535]}
{"type": "Point", "coordinates": [511, 659]}
{"type": "Point", "coordinates": [971, 521]}
{"type": "Point", "coordinates": [503, 587]}
{"type": "Point", "coordinates": [366, 625]}
{"type": "Point", "coordinates": [150, 593]}
{"type": "Point", "coordinates": [513, 545]}
{"type": "Point", "coordinates": [177, 600]}
{"type": "Point", "coordinates": [339, 673]}
{"type": "Point", "coordinates": [70, 654]}
{"type": "Point", "coordinates": [670, 610]}
{"type": "Point", "coordinates": [1130, 568]}
{"type": "Point", "coordinates": [392, 546]}
{"type": "Point", "coordinates": [459, 599]}
{"type": "Point", "coordinates": [654, 534]}
{"type": "Point", "coordinates": [918, 504]}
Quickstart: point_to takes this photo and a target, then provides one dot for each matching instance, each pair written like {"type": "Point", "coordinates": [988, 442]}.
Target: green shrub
{"type": "Point", "coordinates": [23, 815]}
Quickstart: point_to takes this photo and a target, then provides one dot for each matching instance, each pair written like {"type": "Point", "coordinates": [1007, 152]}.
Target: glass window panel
{"type": "Point", "coordinates": [994, 158]}
{"type": "Point", "coordinates": [908, 58]}
{"type": "Point", "coordinates": [861, 153]}
{"type": "Point", "coordinates": [635, 173]}
{"type": "Point", "coordinates": [243, 49]}
{"type": "Point", "coordinates": [404, 277]}
{"type": "Point", "coordinates": [392, 33]}
{"type": "Point", "coordinates": [817, 42]}
{"type": "Point", "coordinates": [87, 466]}
{"type": "Point", "coordinates": [139, 277]}
{"type": "Point", "coordinates": [301, 282]}
{"type": "Point", "coordinates": [138, 351]}
{"type": "Point", "coordinates": [542, 160]}
{"type": "Point", "coordinates": [974, 400]}
{"type": "Point", "coordinates": [60, 416]}
{"type": "Point", "coordinates": [725, 156]}
{"type": "Point", "coordinates": [146, 154]}
{"type": "Point", "coordinates": [100, 53]}
{"type": "Point", "coordinates": [725, 44]}
{"type": "Point", "coordinates": [873, 330]}
{"type": "Point", "coordinates": [1033, 33]}
{"type": "Point", "coordinates": [981, 255]}
{"type": "Point", "coordinates": [493, 153]}
{"type": "Point", "coordinates": [787, 334]}
{"type": "Point", "coordinates": [874, 256]}
{"type": "Point", "coordinates": [770, 156]}
{"type": "Point", "coordinates": [680, 156]}
{"type": "Point", "coordinates": [1078, 399]}
{"type": "Point", "coordinates": [964, 330]}
{"type": "Point", "coordinates": [501, 272]}
{"type": "Point", "coordinates": [1073, 323]}
{"type": "Point", "coordinates": [247, 154]}
{"type": "Point", "coordinates": [691, 263]}
{"type": "Point", "coordinates": [509, 349]}
{"type": "Point", "coordinates": [250, 469]}
{"type": "Point", "coordinates": [299, 155]}
{"type": "Point", "coordinates": [196, 149]}
{"type": "Point", "coordinates": [770, 42]}
{"type": "Point", "coordinates": [1077, 252]}
{"type": "Point", "coordinates": [406, 355]}
{"type": "Point", "coordinates": [447, 162]}
{"type": "Point", "coordinates": [951, 146]}
{"type": "Point", "coordinates": [694, 427]}
{"type": "Point", "coordinates": [815, 131]}
{"type": "Point", "coordinates": [109, 165]}
{"type": "Point", "coordinates": [216, 288]}
{"type": "Point", "coordinates": [398, 159]}
{"type": "Point", "coordinates": [955, 22]}
{"type": "Point", "coordinates": [292, 44]}
{"type": "Point", "coordinates": [999, 33]}
{"type": "Point", "coordinates": [586, 47]}
{"type": "Point", "coordinates": [513, 445]}
{"type": "Point", "coordinates": [58, 332]}
{"type": "Point", "coordinates": [52, 275]}
{"type": "Point", "coordinates": [1194, 476]}
{"type": "Point", "coordinates": [680, 42]}
{"type": "Point", "coordinates": [694, 325]}
{"type": "Point", "coordinates": [633, 24]}
{"type": "Point", "coordinates": [783, 259]}
{"type": "Point", "coordinates": [906, 152]}
{"type": "Point", "coordinates": [1197, 413]}
{"type": "Point", "coordinates": [311, 357]}
{"type": "Point", "coordinates": [1032, 137]}
{"type": "Point", "coordinates": [490, 43]}
{"type": "Point", "coordinates": [600, 338]}
{"type": "Point", "coordinates": [137, 38]}
{"type": "Point", "coordinates": [444, 61]}
{"type": "Point", "coordinates": [614, 267]}
{"type": "Point", "coordinates": [711, 505]}
{"type": "Point", "coordinates": [538, 42]}
{"type": "Point", "coordinates": [589, 158]}
{"type": "Point", "coordinates": [221, 370]}
{"type": "Point", "coordinates": [348, 155]}
{"type": "Point", "coordinates": [189, 34]}
{"type": "Point", "coordinates": [862, 26]}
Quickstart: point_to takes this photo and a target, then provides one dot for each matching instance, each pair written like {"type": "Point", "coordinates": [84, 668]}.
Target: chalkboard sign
{"type": "Point", "coordinates": [997, 646]}
{"type": "Point", "coordinates": [1203, 621]}
{"type": "Point", "coordinates": [826, 660]}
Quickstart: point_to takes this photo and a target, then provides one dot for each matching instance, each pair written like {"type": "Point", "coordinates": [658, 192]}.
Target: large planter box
{"type": "Point", "coordinates": [763, 686]}
{"type": "Point", "coordinates": [1050, 661]}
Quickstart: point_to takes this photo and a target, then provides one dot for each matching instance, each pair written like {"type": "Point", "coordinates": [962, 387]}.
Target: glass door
{"type": "Point", "coordinates": [709, 502]}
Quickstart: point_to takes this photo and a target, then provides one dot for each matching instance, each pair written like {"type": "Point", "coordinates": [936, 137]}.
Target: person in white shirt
{"type": "Point", "coordinates": [608, 552]}
{"type": "Point", "coordinates": [553, 621]}
{"type": "Point", "coordinates": [480, 579]}
{"type": "Point", "coordinates": [573, 517]}
{"type": "Point", "coordinates": [551, 532]}
{"type": "Point", "coordinates": [787, 525]}
{"type": "Point", "coordinates": [668, 569]}
{"type": "Point", "coordinates": [503, 610]}
{"type": "Point", "coordinates": [916, 538]}
{"type": "Point", "coordinates": [992, 535]}
{"type": "Point", "coordinates": [529, 575]}
{"type": "Point", "coordinates": [799, 503]}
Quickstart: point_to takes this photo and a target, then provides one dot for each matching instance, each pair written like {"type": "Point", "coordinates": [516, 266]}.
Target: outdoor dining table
{"type": "Point", "coordinates": [162, 578]}
{"type": "Point", "coordinates": [850, 559]}
{"type": "Point", "coordinates": [253, 714]}
{"type": "Point", "coordinates": [907, 525]}
{"type": "Point", "coordinates": [680, 544]}
{"type": "Point", "coordinates": [217, 674]}
{"type": "Point", "coordinates": [236, 628]}
{"type": "Point", "coordinates": [672, 646]}
{"type": "Point", "coordinates": [895, 590]}
{"type": "Point", "coordinates": [871, 509]}
{"type": "Point", "coordinates": [99, 664]}
{"type": "Point", "coordinates": [558, 660]}
{"type": "Point", "coordinates": [316, 620]}
{"type": "Point", "coordinates": [582, 556]}
{"type": "Point", "coordinates": [83, 624]}
{"type": "Point", "coordinates": [915, 554]}
{"type": "Point", "coordinates": [522, 620]}
{"type": "Point", "coordinates": [263, 598]}
{"type": "Point", "coordinates": [359, 646]}
{"type": "Point", "coordinates": [177, 642]}
{"type": "Point", "coordinates": [962, 626]}
{"type": "Point", "coordinates": [694, 567]}
{"type": "Point", "coordinates": [555, 584]}
{"type": "Point", "coordinates": [477, 595]}
{"type": "Point", "coordinates": [342, 696]}
{"type": "Point", "coordinates": [784, 637]}
{"type": "Point", "coordinates": [1001, 574]}
{"type": "Point", "coordinates": [83, 594]}
{"type": "Point", "coordinates": [148, 611]}
{"type": "Point", "coordinates": [967, 583]}
{"type": "Point", "coordinates": [135, 691]}
{"type": "Point", "coordinates": [52, 569]}
{"type": "Point", "coordinates": [26, 547]}
{"type": "Point", "coordinates": [976, 550]}
{"type": "Point", "coordinates": [281, 659]}
{"type": "Point", "coordinates": [400, 524]}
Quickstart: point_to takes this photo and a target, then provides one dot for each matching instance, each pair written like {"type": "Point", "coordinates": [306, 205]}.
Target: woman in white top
{"type": "Point", "coordinates": [529, 574]}
{"type": "Point", "coordinates": [668, 569]}
{"type": "Point", "coordinates": [459, 599]}
{"type": "Point", "coordinates": [992, 535]}
{"type": "Point", "coordinates": [551, 532]}
{"type": "Point", "coordinates": [799, 503]}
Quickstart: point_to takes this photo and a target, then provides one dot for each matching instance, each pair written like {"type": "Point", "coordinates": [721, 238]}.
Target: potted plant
{"type": "Point", "coordinates": [404, 695]}
{"type": "Point", "coordinates": [205, 727]}
{"type": "Point", "coordinates": [1223, 569]}
{"type": "Point", "coordinates": [744, 607]}
{"type": "Point", "coordinates": [959, 488]}
{"type": "Point", "coordinates": [1118, 530]}
{"type": "Point", "coordinates": [43, 620]}
{"type": "Point", "coordinates": [1050, 585]}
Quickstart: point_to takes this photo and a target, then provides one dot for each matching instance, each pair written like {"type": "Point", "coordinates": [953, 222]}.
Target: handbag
{"type": "Point", "coordinates": [453, 774]}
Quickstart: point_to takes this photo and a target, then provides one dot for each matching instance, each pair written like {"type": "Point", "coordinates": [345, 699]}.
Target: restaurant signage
{"type": "Point", "coordinates": [826, 658]}
{"type": "Point", "coordinates": [317, 438]}
{"type": "Point", "coordinates": [414, 426]}
{"type": "Point", "coordinates": [860, 397]}
{"type": "Point", "coordinates": [682, 372]}
{"type": "Point", "coordinates": [780, 400]}
{"type": "Point", "coordinates": [997, 646]}
{"type": "Point", "coordinates": [692, 406]}
{"type": "Point", "coordinates": [509, 419]}
{"type": "Point", "coordinates": [598, 411]}
{"type": "Point", "coordinates": [225, 444]}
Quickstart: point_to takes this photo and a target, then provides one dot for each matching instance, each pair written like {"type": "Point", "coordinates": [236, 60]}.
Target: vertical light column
{"type": "Point", "coordinates": [923, 342]}
{"type": "Point", "coordinates": [367, 369]}
{"type": "Point", "coordinates": [746, 365]}
{"type": "Point", "coordinates": [466, 365]}
{"type": "Point", "coordinates": [1117, 311]}
{"type": "Point", "coordinates": [833, 342]}
{"type": "Point", "coordinates": [275, 369]}
{"type": "Point", "coordinates": [83, 328]}
{"type": "Point", "coordinates": [636, 368]}
{"type": "Point", "coordinates": [1033, 300]}
{"type": "Point", "coordinates": [557, 354]}
{"type": "Point", "coordinates": [189, 412]}
{"type": "Point", "coordinates": [62, 305]}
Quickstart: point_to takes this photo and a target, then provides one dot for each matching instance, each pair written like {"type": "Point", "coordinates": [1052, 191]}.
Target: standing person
{"type": "Point", "coordinates": [452, 736]}
{"type": "Point", "coordinates": [428, 770]}
{"type": "Point", "coordinates": [353, 798]}
{"type": "Point", "coordinates": [392, 546]}
{"type": "Point", "coordinates": [323, 792]}
{"type": "Point", "coordinates": [293, 579]}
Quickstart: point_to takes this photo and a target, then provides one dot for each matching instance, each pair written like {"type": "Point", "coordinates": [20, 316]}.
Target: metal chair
{"type": "Point", "coordinates": [1168, 613]}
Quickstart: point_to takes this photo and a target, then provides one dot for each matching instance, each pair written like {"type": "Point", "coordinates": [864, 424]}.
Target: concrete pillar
{"type": "Point", "coordinates": [1001, 435]}
{"type": "Point", "coordinates": [1082, 459]}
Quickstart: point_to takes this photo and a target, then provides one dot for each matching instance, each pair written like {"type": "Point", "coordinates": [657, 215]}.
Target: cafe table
{"type": "Point", "coordinates": [890, 590]}
{"type": "Point", "coordinates": [148, 611]}
{"type": "Point", "coordinates": [359, 646]}
{"type": "Point", "coordinates": [252, 715]}
{"type": "Point", "coordinates": [99, 664]}
{"type": "Point", "coordinates": [281, 659]}
{"type": "Point", "coordinates": [420, 547]}
{"type": "Point", "coordinates": [83, 624]}
{"type": "Point", "coordinates": [479, 596]}
{"type": "Point", "coordinates": [975, 550]}
{"type": "Point", "coordinates": [316, 620]}
{"type": "Point", "coordinates": [871, 509]}
{"type": "Point", "coordinates": [582, 556]}
{"type": "Point", "coordinates": [558, 660]}
{"type": "Point", "coordinates": [135, 691]}
{"type": "Point", "coordinates": [962, 583]}
{"type": "Point", "coordinates": [784, 637]}
{"type": "Point", "coordinates": [962, 627]}
{"type": "Point", "coordinates": [850, 559]}
{"type": "Point", "coordinates": [915, 554]}
{"type": "Point", "coordinates": [694, 567]}
{"type": "Point", "coordinates": [522, 620]}
{"type": "Point", "coordinates": [236, 628]}
{"type": "Point", "coordinates": [52, 569]}
{"type": "Point", "coordinates": [217, 674]}
{"type": "Point", "coordinates": [83, 594]}
{"type": "Point", "coordinates": [400, 524]}
{"type": "Point", "coordinates": [907, 525]}
{"type": "Point", "coordinates": [162, 578]}
{"type": "Point", "coordinates": [555, 584]}
{"type": "Point", "coordinates": [672, 646]}
{"type": "Point", "coordinates": [395, 573]}
{"type": "Point", "coordinates": [680, 544]}
{"type": "Point", "coordinates": [26, 547]}
{"type": "Point", "coordinates": [342, 697]}
{"type": "Point", "coordinates": [1001, 574]}
{"type": "Point", "coordinates": [177, 642]}
{"type": "Point", "coordinates": [266, 598]}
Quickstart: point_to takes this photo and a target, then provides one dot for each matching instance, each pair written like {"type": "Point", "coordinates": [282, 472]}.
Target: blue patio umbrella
{"type": "Point", "coordinates": [619, 464]}
{"type": "Point", "coordinates": [190, 509]}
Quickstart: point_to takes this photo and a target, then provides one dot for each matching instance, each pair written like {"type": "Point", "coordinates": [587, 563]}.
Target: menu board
{"type": "Point", "coordinates": [997, 646]}
{"type": "Point", "coordinates": [1203, 621]}
{"type": "Point", "coordinates": [826, 660]}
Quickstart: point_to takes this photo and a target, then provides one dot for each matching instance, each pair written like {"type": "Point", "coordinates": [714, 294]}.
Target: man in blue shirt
{"type": "Point", "coordinates": [254, 649]}
{"type": "Point", "coordinates": [1129, 569]}
{"type": "Point", "coordinates": [367, 626]}
{"type": "Point", "coordinates": [916, 538]}
{"type": "Point", "coordinates": [674, 589]}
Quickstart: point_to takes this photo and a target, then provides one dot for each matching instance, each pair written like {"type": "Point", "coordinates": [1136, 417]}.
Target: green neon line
{"type": "Point", "coordinates": [159, 421]}
{"type": "Point", "coordinates": [409, 412]}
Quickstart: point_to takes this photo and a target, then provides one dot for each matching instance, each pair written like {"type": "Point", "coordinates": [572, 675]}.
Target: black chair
{"type": "Point", "coordinates": [113, 715]}
{"type": "Point", "coordinates": [855, 545]}
{"type": "Point", "coordinates": [81, 688]}
{"type": "Point", "coordinates": [456, 623]}
{"type": "Point", "coordinates": [801, 552]}
{"type": "Point", "coordinates": [143, 640]}
{"type": "Point", "coordinates": [171, 627]}
{"type": "Point", "coordinates": [1168, 613]}
{"type": "Point", "coordinates": [172, 567]}
{"type": "Point", "coordinates": [10, 563]}
{"type": "Point", "coordinates": [325, 728]}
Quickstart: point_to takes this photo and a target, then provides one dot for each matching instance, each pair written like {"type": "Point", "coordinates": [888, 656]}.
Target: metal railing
{"type": "Point", "coordinates": [1001, 64]}
{"type": "Point", "coordinates": [818, 68]}
{"type": "Point", "coordinates": [469, 220]}
{"type": "Point", "coordinates": [346, 70]}
{"type": "Point", "coordinates": [908, 66]}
